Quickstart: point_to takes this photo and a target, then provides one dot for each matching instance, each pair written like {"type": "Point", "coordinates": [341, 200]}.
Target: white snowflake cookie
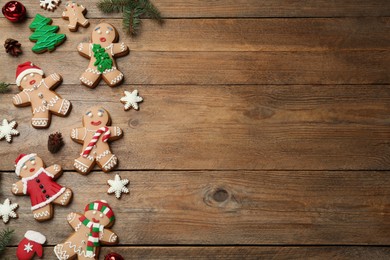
{"type": "Point", "coordinates": [7, 210]}
{"type": "Point", "coordinates": [7, 130]}
{"type": "Point", "coordinates": [131, 99]}
{"type": "Point", "coordinates": [118, 186]}
{"type": "Point", "coordinates": [49, 4]}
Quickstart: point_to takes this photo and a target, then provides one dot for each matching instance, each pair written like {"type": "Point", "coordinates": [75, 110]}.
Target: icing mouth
{"type": "Point", "coordinates": [96, 123]}
{"type": "Point", "coordinates": [95, 220]}
{"type": "Point", "coordinates": [32, 169]}
{"type": "Point", "coordinates": [32, 82]}
{"type": "Point", "coordinates": [102, 39]}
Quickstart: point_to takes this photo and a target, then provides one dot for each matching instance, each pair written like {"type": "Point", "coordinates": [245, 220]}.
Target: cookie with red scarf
{"type": "Point", "coordinates": [91, 230]}
{"type": "Point", "coordinates": [95, 136]}
{"type": "Point", "coordinates": [39, 183]}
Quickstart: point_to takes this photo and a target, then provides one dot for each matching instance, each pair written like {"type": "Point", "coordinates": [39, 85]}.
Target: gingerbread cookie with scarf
{"type": "Point", "coordinates": [101, 51]}
{"type": "Point", "coordinates": [39, 183]}
{"type": "Point", "coordinates": [91, 230]}
{"type": "Point", "coordinates": [37, 92]}
{"type": "Point", "coordinates": [95, 135]}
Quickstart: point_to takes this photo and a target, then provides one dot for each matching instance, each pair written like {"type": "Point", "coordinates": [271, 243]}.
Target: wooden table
{"type": "Point", "coordinates": [264, 131]}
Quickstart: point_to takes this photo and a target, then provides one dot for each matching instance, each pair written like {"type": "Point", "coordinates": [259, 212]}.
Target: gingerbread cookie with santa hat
{"type": "Point", "coordinates": [37, 93]}
{"type": "Point", "coordinates": [39, 183]}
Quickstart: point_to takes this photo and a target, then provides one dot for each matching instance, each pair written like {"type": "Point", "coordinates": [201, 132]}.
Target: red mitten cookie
{"type": "Point", "coordinates": [94, 135]}
{"type": "Point", "coordinates": [38, 182]}
{"type": "Point", "coordinates": [30, 245]}
{"type": "Point", "coordinates": [90, 231]}
{"type": "Point", "coordinates": [101, 51]}
{"type": "Point", "coordinates": [37, 92]}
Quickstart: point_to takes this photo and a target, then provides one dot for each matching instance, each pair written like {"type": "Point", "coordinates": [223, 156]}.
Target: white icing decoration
{"type": "Point", "coordinates": [28, 248]}
{"type": "Point", "coordinates": [49, 4]}
{"type": "Point", "coordinates": [7, 130]}
{"type": "Point", "coordinates": [131, 99]}
{"type": "Point", "coordinates": [7, 210]}
{"type": "Point", "coordinates": [118, 186]}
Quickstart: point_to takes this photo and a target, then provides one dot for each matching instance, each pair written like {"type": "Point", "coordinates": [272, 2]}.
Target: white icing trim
{"type": "Point", "coordinates": [80, 251]}
{"type": "Point", "coordinates": [27, 71]}
{"type": "Point", "coordinates": [43, 108]}
{"type": "Point", "coordinates": [35, 236]}
{"type": "Point", "coordinates": [44, 203]}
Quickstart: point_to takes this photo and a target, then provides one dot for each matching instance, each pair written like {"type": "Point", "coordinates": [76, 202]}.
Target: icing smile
{"type": "Point", "coordinates": [96, 123]}
{"type": "Point", "coordinates": [102, 39]}
{"type": "Point", "coordinates": [32, 169]}
{"type": "Point", "coordinates": [32, 82]}
{"type": "Point", "coordinates": [95, 220]}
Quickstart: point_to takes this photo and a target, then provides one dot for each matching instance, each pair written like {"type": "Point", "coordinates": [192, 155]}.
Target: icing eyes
{"type": "Point", "coordinates": [101, 215]}
{"type": "Point", "coordinates": [31, 74]}
{"type": "Point", "coordinates": [107, 32]}
{"type": "Point", "coordinates": [33, 162]}
{"type": "Point", "coordinates": [24, 167]}
{"type": "Point", "coordinates": [94, 212]}
{"type": "Point", "coordinates": [89, 114]}
{"type": "Point", "coordinates": [100, 113]}
{"type": "Point", "coordinates": [25, 78]}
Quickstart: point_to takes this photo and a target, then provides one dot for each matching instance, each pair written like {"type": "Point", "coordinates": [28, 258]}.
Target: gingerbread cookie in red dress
{"type": "Point", "coordinates": [38, 182]}
{"type": "Point", "coordinates": [95, 135]}
{"type": "Point", "coordinates": [37, 92]}
{"type": "Point", "coordinates": [101, 51]}
{"type": "Point", "coordinates": [91, 230]}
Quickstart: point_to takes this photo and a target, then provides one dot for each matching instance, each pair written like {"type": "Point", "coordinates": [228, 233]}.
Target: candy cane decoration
{"type": "Point", "coordinates": [95, 138]}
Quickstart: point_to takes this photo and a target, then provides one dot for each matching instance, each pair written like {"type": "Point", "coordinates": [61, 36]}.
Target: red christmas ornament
{"type": "Point", "coordinates": [113, 256]}
{"type": "Point", "coordinates": [14, 11]}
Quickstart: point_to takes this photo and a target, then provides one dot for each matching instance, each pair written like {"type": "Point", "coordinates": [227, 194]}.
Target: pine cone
{"type": "Point", "coordinates": [12, 47]}
{"type": "Point", "coordinates": [55, 142]}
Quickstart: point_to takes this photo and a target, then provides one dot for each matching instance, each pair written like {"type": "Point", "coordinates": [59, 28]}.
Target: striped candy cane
{"type": "Point", "coordinates": [95, 138]}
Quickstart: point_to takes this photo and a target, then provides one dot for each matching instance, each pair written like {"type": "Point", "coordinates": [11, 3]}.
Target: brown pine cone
{"type": "Point", "coordinates": [55, 142]}
{"type": "Point", "coordinates": [12, 47]}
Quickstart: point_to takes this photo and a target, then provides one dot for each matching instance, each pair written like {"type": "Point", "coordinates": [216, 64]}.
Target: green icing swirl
{"type": "Point", "coordinates": [103, 60]}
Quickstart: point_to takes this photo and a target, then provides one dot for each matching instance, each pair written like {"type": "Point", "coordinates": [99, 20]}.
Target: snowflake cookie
{"type": "Point", "coordinates": [131, 99]}
{"type": "Point", "coordinates": [7, 130]}
{"type": "Point", "coordinates": [7, 210]}
{"type": "Point", "coordinates": [49, 4]}
{"type": "Point", "coordinates": [118, 186]}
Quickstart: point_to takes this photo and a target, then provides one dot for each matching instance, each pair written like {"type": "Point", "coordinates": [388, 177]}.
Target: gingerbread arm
{"type": "Point", "coordinates": [74, 220]}
{"type": "Point", "coordinates": [52, 80]}
{"type": "Point", "coordinates": [17, 188]}
{"type": "Point", "coordinates": [55, 170]}
{"type": "Point", "coordinates": [120, 49]}
{"type": "Point", "coordinates": [116, 133]}
{"type": "Point", "coordinates": [109, 237]}
{"type": "Point", "coordinates": [78, 134]}
{"type": "Point", "coordinates": [21, 99]}
{"type": "Point", "coordinates": [85, 49]}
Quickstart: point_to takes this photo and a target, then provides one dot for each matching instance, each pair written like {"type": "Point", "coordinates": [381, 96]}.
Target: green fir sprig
{"type": "Point", "coordinates": [133, 11]}
{"type": "Point", "coordinates": [4, 87]}
{"type": "Point", "coordinates": [5, 239]}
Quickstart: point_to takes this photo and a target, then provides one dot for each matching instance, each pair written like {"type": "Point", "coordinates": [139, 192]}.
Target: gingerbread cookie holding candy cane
{"type": "Point", "coordinates": [91, 230]}
{"type": "Point", "coordinates": [39, 183]}
{"type": "Point", "coordinates": [37, 92]}
{"type": "Point", "coordinates": [102, 50]}
{"type": "Point", "coordinates": [74, 12]}
{"type": "Point", "coordinates": [95, 135]}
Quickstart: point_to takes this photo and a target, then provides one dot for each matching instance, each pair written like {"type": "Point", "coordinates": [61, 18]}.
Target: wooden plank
{"type": "Point", "coordinates": [235, 252]}
{"type": "Point", "coordinates": [225, 127]}
{"type": "Point", "coordinates": [234, 35]}
{"type": "Point", "coordinates": [228, 207]}
{"type": "Point", "coordinates": [244, 8]}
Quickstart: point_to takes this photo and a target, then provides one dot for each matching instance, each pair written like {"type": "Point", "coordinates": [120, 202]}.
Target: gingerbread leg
{"type": "Point", "coordinates": [63, 251]}
{"type": "Point", "coordinates": [113, 78]}
{"type": "Point", "coordinates": [90, 77]}
{"type": "Point", "coordinates": [40, 119]}
{"type": "Point", "coordinates": [43, 213]}
{"type": "Point", "coordinates": [62, 107]}
{"type": "Point", "coordinates": [84, 165]}
{"type": "Point", "coordinates": [83, 22]}
{"type": "Point", "coordinates": [107, 161]}
{"type": "Point", "coordinates": [64, 199]}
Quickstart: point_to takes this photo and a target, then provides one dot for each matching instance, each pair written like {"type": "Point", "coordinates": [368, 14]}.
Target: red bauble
{"type": "Point", "coordinates": [14, 11]}
{"type": "Point", "coordinates": [113, 256]}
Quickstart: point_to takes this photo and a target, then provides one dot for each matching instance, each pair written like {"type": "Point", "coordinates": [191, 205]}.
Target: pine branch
{"type": "Point", "coordinates": [5, 239]}
{"type": "Point", "coordinates": [112, 6]}
{"type": "Point", "coordinates": [4, 87]}
{"type": "Point", "coordinates": [152, 11]}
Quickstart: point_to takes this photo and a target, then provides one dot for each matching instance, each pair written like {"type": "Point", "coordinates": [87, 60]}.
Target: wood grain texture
{"type": "Point", "coordinates": [236, 252]}
{"type": "Point", "coordinates": [236, 127]}
{"type": "Point", "coordinates": [245, 8]}
{"type": "Point", "coordinates": [227, 207]}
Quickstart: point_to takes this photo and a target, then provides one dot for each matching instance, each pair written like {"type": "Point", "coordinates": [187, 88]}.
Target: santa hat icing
{"type": "Point", "coordinates": [35, 236]}
{"type": "Point", "coordinates": [102, 206]}
{"type": "Point", "coordinates": [24, 69]}
{"type": "Point", "coordinates": [21, 160]}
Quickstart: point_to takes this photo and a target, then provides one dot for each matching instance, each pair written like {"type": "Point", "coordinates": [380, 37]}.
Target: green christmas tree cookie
{"type": "Point", "coordinates": [45, 34]}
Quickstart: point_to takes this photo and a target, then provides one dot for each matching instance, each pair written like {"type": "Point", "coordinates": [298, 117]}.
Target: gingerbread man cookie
{"type": "Point", "coordinates": [74, 12]}
{"type": "Point", "coordinates": [36, 91]}
{"type": "Point", "coordinates": [38, 182]}
{"type": "Point", "coordinates": [94, 135]}
{"type": "Point", "coordinates": [102, 50]}
{"type": "Point", "coordinates": [91, 230]}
